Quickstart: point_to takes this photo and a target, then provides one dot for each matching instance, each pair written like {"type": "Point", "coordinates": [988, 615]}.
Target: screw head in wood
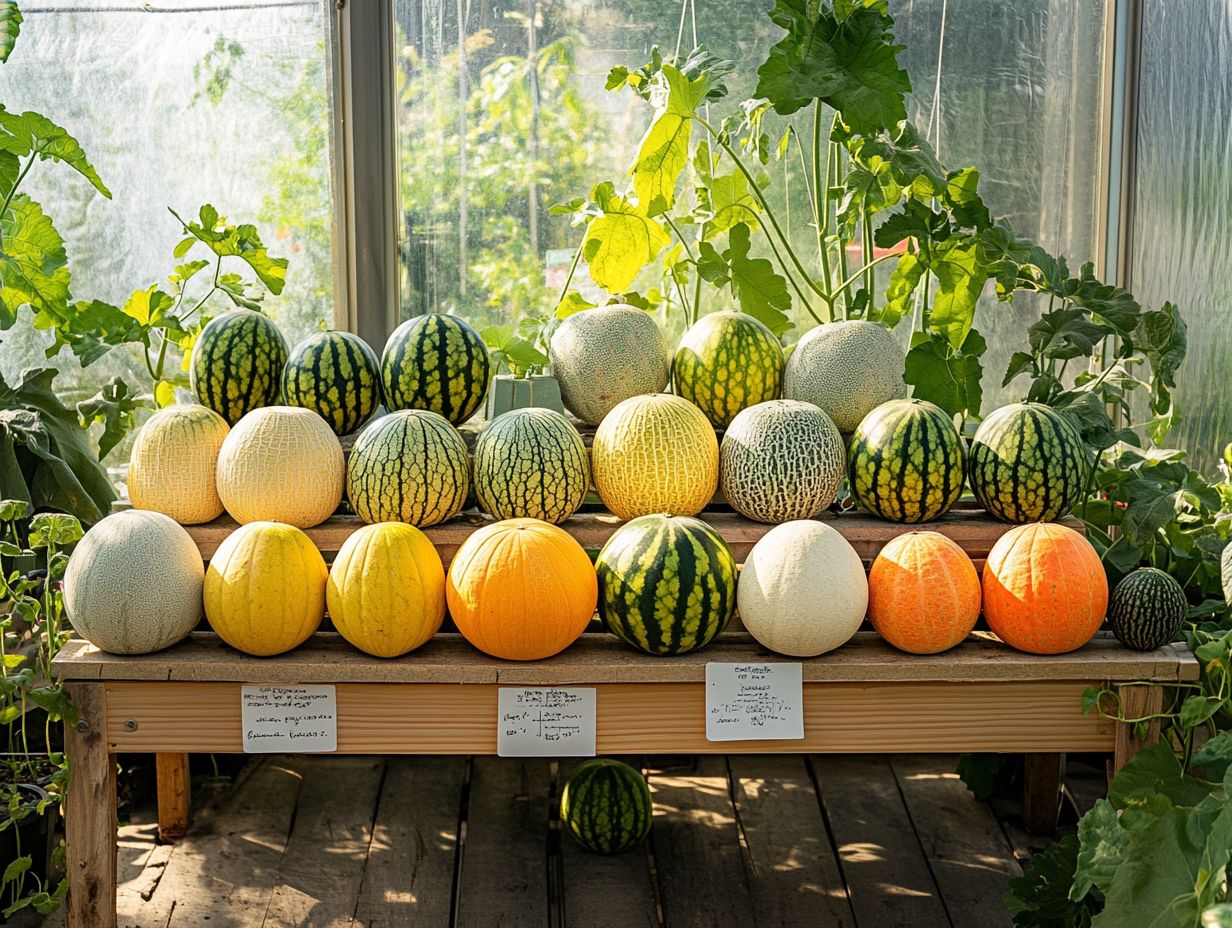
{"type": "Point", "coordinates": [130, 725]}
{"type": "Point", "coordinates": [81, 726]}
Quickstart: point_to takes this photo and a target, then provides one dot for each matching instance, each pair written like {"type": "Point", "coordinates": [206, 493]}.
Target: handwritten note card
{"type": "Point", "coordinates": [300, 719]}
{"type": "Point", "coordinates": [546, 721]}
{"type": "Point", "coordinates": [754, 702]}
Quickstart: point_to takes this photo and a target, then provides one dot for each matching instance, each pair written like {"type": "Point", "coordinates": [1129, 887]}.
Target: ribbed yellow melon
{"type": "Point", "coordinates": [174, 462]}
{"type": "Point", "coordinates": [655, 453]}
{"type": "Point", "coordinates": [133, 584]}
{"type": "Point", "coordinates": [386, 590]}
{"type": "Point", "coordinates": [281, 464]}
{"type": "Point", "coordinates": [265, 588]}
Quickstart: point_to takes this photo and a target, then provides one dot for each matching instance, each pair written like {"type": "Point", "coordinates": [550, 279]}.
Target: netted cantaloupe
{"type": "Point", "coordinates": [281, 464]}
{"type": "Point", "coordinates": [655, 453]}
{"type": "Point", "coordinates": [265, 588]}
{"type": "Point", "coordinates": [606, 355]}
{"type": "Point", "coordinates": [847, 368]}
{"type": "Point", "coordinates": [386, 590]}
{"type": "Point", "coordinates": [133, 583]}
{"type": "Point", "coordinates": [174, 462]}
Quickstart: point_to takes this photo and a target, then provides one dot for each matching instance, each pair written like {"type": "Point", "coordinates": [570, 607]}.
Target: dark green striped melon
{"type": "Point", "coordinates": [236, 364]}
{"type": "Point", "coordinates": [531, 463]}
{"type": "Point", "coordinates": [606, 806]}
{"type": "Point", "coordinates": [337, 376]}
{"type": "Point", "coordinates": [727, 362]}
{"type": "Point", "coordinates": [667, 584]}
{"type": "Point", "coordinates": [409, 466]}
{"type": "Point", "coordinates": [1027, 464]}
{"type": "Point", "coordinates": [906, 461]}
{"type": "Point", "coordinates": [436, 362]}
{"type": "Point", "coordinates": [1147, 609]}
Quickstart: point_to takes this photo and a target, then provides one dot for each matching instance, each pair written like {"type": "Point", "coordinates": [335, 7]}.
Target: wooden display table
{"type": "Point", "coordinates": [442, 699]}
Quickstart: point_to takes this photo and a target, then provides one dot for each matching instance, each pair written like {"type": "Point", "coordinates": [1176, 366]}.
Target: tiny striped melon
{"type": "Point", "coordinates": [281, 464]}
{"type": "Point", "coordinates": [174, 463]}
{"type": "Point", "coordinates": [133, 583]}
{"type": "Point", "coordinates": [606, 806]}
{"type": "Point", "coordinates": [1147, 609]}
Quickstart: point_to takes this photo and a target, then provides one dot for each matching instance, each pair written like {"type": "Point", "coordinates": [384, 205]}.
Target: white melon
{"type": "Point", "coordinates": [802, 591]}
{"type": "Point", "coordinates": [133, 583]}
{"type": "Point", "coordinates": [847, 368]}
{"type": "Point", "coordinates": [281, 464]}
{"type": "Point", "coordinates": [174, 462]}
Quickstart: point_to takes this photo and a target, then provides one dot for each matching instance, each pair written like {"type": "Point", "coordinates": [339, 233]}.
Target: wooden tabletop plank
{"type": "Point", "coordinates": [326, 658]}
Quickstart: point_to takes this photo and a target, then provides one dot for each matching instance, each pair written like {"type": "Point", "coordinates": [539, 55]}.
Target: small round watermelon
{"type": "Point", "coordinates": [1147, 609]}
{"type": "Point", "coordinates": [436, 362]}
{"type": "Point", "coordinates": [409, 466]}
{"type": "Point", "coordinates": [667, 584]}
{"type": "Point", "coordinates": [727, 362]}
{"type": "Point", "coordinates": [781, 460]}
{"type": "Point", "coordinates": [531, 463]}
{"type": "Point", "coordinates": [337, 376]}
{"type": "Point", "coordinates": [906, 461]}
{"type": "Point", "coordinates": [1027, 464]}
{"type": "Point", "coordinates": [606, 806]}
{"type": "Point", "coordinates": [236, 364]}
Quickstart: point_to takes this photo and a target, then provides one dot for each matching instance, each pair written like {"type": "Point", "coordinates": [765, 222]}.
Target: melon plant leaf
{"type": "Point", "coordinates": [758, 289]}
{"type": "Point", "coordinates": [620, 241]}
{"type": "Point", "coordinates": [114, 407]}
{"type": "Point", "coordinates": [945, 376]}
{"type": "Point", "coordinates": [35, 134]}
{"type": "Point", "coordinates": [1039, 898]}
{"type": "Point", "coordinates": [1066, 333]}
{"type": "Point", "coordinates": [1155, 771]}
{"type": "Point", "coordinates": [911, 160]}
{"type": "Point", "coordinates": [964, 202]}
{"type": "Point", "coordinates": [1161, 335]}
{"type": "Point", "coordinates": [33, 265]}
{"type": "Point", "coordinates": [10, 28]}
{"type": "Point", "coordinates": [1103, 845]}
{"type": "Point", "coordinates": [664, 151]}
{"type": "Point", "coordinates": [727, 201]}
{"type": "Point", "coordinates": [847, 59]}
{"type": "Point", "coordinates": [1215, 756]}
{"type": "Point", "coordinates": [242, 241]}
{"type": "Point", "coordinates": [961, 274]}
{"type": "Point", "coordinates": [900, 290]}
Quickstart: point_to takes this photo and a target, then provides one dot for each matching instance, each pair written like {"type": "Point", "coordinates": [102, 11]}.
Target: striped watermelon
{"type": "Point", "coordinates": [436, 362]}
{"type": "Point", "coordinates": [781, 460]}
{"type": "Point", "coordinates": [726, 362]}
{"type": "Point", "coordinates": [236, 364]}
{"type": "Point", "coordinates": [409, 466]}
{"type": "Point", "coordinates": [337, 376]}
{"type": "Point", "coordinates": [1027, 464]}
{"type": "Point", "coordinates": [667, 584]}
{"type": "Point", "coordinates": [906, 461]}
{"type": "Point", "coordinates": [531, 463]}
{"type": "Point", "coordinates": [1147, 609]}
{"type": "Point", "coordinates": [606, 806]}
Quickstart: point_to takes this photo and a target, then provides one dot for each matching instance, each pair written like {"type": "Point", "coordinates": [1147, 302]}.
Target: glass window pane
{"type": "Point", "coordinates": [487, 143]}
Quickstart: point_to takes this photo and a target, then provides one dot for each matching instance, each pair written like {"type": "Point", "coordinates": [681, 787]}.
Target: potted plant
{"type": "Point", "coordinates": [32, 769]}
{"type": "Point", "coordinates": [521, 353]}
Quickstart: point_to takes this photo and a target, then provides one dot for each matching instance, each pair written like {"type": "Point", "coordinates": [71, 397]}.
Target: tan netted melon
{"type": "Point", "coordinates": [847, 368]}
{"type": "Point", "coordinates": [606, 355]}
{"type": "Point", "coordinates": [281, 464]}
{"type": "Point", "coordinates": [133, 583]}
{"type": "Point", "coordinates": [174, 462]}
{"type": "Point", "coordinates": [655, 453]}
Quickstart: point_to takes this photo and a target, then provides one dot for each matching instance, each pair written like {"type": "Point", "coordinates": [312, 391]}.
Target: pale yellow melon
{"type": "Point", "coordinates": [174, 462]}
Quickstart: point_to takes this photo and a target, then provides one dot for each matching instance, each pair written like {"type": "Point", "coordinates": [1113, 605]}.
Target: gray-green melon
{"type": "Point", "coordinates": [604, 356]}
{"type": "Point", "coordinates": [781, 460]}
{"type": "Point", "coordinates": [847, 369]}
{"type": "Point", "coordinates": [133, 583]}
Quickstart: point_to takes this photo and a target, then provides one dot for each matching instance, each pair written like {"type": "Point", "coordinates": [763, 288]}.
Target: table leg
{"type": "Point", "coordinates": [1137, 701]}
{"type": "Point", "coordinates": [173, 795]}
{"type": "Point", "coordinates": [90, 812]}
{"type": "Point", "coordinates": [1041, 794]}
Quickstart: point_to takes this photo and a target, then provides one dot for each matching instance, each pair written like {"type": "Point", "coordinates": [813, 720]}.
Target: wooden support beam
{"type": "Point", "coordinates": [90, 812]}
{"type": "Point", "coordinates": [1137, 701]}
{"type": "Point", "coordinates": [174, 795]}
{"type": "Point", "coordinates": [1043, 775]}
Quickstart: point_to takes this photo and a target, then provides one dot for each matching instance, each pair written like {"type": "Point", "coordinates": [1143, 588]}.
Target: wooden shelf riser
{"type": "Point", "coordinates": [635, 718]}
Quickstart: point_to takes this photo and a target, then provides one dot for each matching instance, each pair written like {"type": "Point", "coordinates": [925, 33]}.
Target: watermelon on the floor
{"type": "Point", "coordinates": [606, 806]}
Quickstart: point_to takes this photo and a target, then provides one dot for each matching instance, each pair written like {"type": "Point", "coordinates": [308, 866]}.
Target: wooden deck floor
{"type": "Point", "coordinates": [761, 841]}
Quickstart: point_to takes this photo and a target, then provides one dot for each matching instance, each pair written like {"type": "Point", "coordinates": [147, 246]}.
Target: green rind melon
{"type": "Point", "coordinates": [667, 584]}
{"type": "Point", "coordinates": [727, 362]}
{"type": "Point", "coordinates": [236, 364]}
{"type": "Point", "coordinates": [1027, 464]}
{"type": "Point", "coordinates": [847, 368]}
{"type": "Point", "coordinates": [436, 362]}
{"type": "Point", "coordinates": [337, 376]}
{"type": "Point", "coordinates": [781, 460]}
{"type": "Point", "coordinates": [531, 463]}
{"type": "Point", "coordinates": [606, 355]}
{"type": "Point", "coordinates": [1147, 609]}
{"type": "Point", "coordinates": [906, 462]}
{"type": "Point", "coordinates": [409, 466]}
{"type": "Point", "coordinates": [606, 806]}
